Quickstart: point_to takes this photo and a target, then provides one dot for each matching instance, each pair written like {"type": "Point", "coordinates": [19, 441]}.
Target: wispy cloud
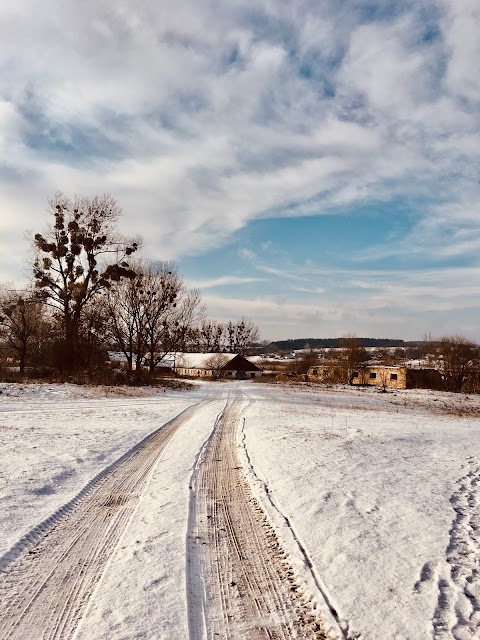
{"type": "Point", "coordinates": [406, 304]}
{"type": "Point", "coordinates": [222, 281]}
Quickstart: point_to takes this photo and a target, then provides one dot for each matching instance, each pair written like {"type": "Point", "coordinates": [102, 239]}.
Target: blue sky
{"type": "Point", "coordinates": [311, 165]}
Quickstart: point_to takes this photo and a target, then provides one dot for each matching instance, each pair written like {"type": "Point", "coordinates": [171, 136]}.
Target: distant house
{"type": "Point", "coordinates": [214, 365]}
{"type": "Point", "coordinates": [397, 377]}
{"type": "Point", "coordinates": [387, 377]}
{"type": "Point", "coordinates": [118, 359]}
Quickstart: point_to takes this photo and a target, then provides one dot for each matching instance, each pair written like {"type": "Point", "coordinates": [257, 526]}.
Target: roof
{"type": "Point", "coordinates": [379, 365]}
{"type": "Point", "coordinates": [205, 361]}
{"type": "Point", "coordinates": [117, 356]}
{"type": "Point", "coordinates": [199, 360]}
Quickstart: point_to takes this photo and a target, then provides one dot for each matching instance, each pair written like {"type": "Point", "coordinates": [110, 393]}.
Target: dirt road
{"type": "Point", "coordinates": [240, 584]}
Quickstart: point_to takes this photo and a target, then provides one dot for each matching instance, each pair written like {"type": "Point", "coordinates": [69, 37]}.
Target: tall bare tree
{"type": "Point", "coordinates": [79, 256]}
{"type": "Point", "coordinates": [92, 337]}
{"type": "Point", "coordinates": [125, 326]}
{"type": "Point", "coordinates": [153, 314]}
{"type": "Point", "coordinates": [181, 331]}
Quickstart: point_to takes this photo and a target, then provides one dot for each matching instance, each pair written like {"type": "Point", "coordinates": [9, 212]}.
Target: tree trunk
{"type": "Point", "coordinates": [22, 359]}
{"type": "Point", "coordinates": [151, 367]}
{"type": "Point", "coordinates": [69, 355]}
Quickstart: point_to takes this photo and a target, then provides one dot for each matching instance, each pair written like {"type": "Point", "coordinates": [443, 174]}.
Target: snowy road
{"type": "Point", "coordinates": [239, 581]}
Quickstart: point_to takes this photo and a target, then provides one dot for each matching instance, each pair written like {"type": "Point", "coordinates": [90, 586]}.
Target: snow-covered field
{"type": "Point", "coordinates": [381, 493]}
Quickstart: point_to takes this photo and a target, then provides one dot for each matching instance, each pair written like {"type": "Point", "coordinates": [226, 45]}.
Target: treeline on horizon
{"type": "Point", "coordinates": [323, 343]}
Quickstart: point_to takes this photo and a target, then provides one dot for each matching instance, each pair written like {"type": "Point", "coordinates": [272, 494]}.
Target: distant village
{"type": "Point", "coordinates": [450, 364]}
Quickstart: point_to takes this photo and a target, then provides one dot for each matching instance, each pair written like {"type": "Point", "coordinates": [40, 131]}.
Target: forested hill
{"type": "Point", "coordinates": [319, 343]}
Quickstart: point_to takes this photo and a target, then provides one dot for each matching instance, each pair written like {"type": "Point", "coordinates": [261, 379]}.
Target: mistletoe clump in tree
{"type": "Point", "coordinates": [79, 256]}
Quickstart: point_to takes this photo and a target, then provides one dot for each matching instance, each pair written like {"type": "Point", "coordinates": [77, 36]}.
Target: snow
{"type": "Point", "coordinates": [255, 359]}
{"type": "Point", "coordinates": [144, 584]}
{"type": "Point", "coordinates": [201, 360]}
{"type": "Point", "coordinates": [368, 490]}
{"type": "Point", "coordinates": [370, 484]}
{"type": "Point", "coordinates": [56, 438]}
{"type": "Point", "coordinates": [117, 356]}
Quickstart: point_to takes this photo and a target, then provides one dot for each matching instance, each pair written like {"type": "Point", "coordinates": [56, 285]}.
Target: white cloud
{"type": "Point", "coordinates": [201, 117]}
{"type": "Point", "coordinates": [461, 29]}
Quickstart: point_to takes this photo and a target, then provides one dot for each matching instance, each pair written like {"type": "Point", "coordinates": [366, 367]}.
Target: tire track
{"type": "Point", "coordinates": [239, 583]}
{"type": "Point", "coordinates": [343, 626]}
{"type": "Point", "coordinates": [45, 589]}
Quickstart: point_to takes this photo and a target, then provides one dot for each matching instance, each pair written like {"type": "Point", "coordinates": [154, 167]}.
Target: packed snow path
{"type": "Point", "coordinates": [239, 582]}
{"type": "Point", "coordinates": [45, 590]}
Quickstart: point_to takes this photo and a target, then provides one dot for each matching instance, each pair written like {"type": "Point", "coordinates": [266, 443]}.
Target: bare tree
{"type": "Point", "coordinates": [152, 314]}
{"type": "Point", "coordinates": [351, 357]}
{"type": "Point", "coordinates": [22, 322]}
{"type": "Point", "coordinates": [215, 364]}
{"type": "Point", "coordinates": [79, 256]}
{"type": "Point", "coordinates": [241, 335]}
{"type": "Point", "coordinates": [459, 361]}
{"type": "Point", "coordinates": [387, 355]}
{"type": "Point", "coordinates": [180, 329]}
{"type": "Point", "coordinates": [92, 334]}
{"type": "Point", "coordinates": [170, 311]}
{"type": "Point", "coordinates": [209, 336]}
{"type": "Point", "coordinates": [301, 364]}
{"type": "Point", "coordinates": [126, 321]}
{"type": "Point", "coordinates": [383, 378]}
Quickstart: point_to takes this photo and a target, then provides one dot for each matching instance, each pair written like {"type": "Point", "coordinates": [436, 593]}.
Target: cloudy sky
{"type": "Point", "coordinates": [313, 165]}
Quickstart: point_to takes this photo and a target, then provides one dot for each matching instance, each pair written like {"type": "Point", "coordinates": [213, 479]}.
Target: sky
{"type": "Point", "coordinates": [312, 165]}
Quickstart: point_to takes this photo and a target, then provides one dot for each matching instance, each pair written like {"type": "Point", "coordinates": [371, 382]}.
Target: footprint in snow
{"type": "Point", "coordinates": [427, 576]}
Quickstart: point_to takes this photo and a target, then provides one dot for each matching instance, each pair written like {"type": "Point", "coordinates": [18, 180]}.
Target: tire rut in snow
{"type": "Point", "coordinates": [45, 591]}
{"type": "Point", "coordinates": [239, 583]}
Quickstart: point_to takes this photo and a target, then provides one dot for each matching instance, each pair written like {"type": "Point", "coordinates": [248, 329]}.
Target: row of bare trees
{"type": "Point", "coordinates": [90, 292]}
{"type": "Point", "coordinates": [234, 337]}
